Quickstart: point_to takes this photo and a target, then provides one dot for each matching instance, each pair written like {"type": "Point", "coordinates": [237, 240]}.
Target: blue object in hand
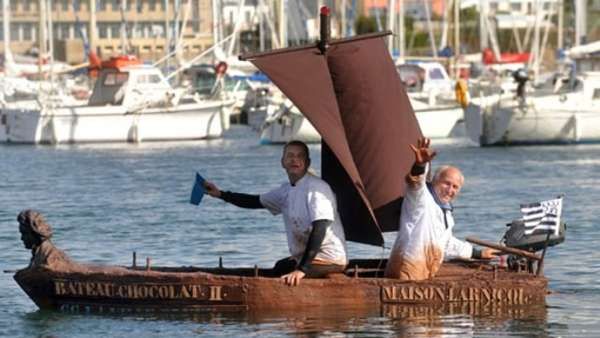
{"type": "Point", "coordinates": [198, 190]}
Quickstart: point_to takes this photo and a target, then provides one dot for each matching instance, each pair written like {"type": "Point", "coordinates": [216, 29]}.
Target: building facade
{"type": "Point", "coordinates": [151, 26]}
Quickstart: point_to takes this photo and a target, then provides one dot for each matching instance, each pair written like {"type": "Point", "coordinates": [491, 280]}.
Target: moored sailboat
{"type": "Point", "coordinates": [130, 102]}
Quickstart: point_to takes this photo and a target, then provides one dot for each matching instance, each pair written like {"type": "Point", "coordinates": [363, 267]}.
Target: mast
{"type": "Point", "coordinates": [456, 37]}
{"type": "Point", "coordinates": [430, 28]}
{"type": "Point", "coordinates": [446, 24]}
{"type": "Point", "coordinates": [6, 29]}
{"type": "Point", "coordinates": [167, 47]}
{"type": "Point", "coordinates": [343, 20]}
{"type": "Point", "coordinates": [261, 25]}
{"type": "Point", "coordinates": [401, 34]}
{"type": "Point", "coordinates": [559, 36]}
{"type": "Point", "coordinates": [237, 27]}
{"type": "Point", "coordinates": [215, 22]}
{"type": "Point", "coordinates": [92, 35]}
{"type": "Point", "coordinates": [390, 24]}
{"type": "Point", "coordinates": [325, 29]}
{"type": "Point", "coordinates": [483, 30]}
{"type": "Point", "coordinates": [282, 24]}
{"type": "Point", "coordinates": [580, 22]}
{"type": "Point", "coordinates": [123, 28]}
{"type": "Point", "coordinates": [43, 35]}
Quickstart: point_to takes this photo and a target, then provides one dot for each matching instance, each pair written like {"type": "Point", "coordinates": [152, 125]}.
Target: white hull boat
{"type": "Point", "coordinates": [562, 117]}
{"type": "Point", "coordinates": [437, 121]}
{"type": "Point", "coordinates": [432, 96]}
{"type": "Point", "coordinates": [288, 124]}
{"type": "Point", "coordinates": [130, 103]}
{"type": "Point", "coordinates": [115, 124]}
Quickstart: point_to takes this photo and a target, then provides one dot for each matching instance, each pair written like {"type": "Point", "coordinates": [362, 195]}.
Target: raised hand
{"type": "Point", "coordinates": [423, 153]}
{"type": "Point", "coordinates": [211, 189]}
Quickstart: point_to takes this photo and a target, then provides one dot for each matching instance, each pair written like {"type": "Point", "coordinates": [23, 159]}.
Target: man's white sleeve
{"type": "Point", "coordinates": [320, 203]}
{"type": "Point", "coordinates": [273, 200]}
{"type": "Point", "coordinates": [457, 248]}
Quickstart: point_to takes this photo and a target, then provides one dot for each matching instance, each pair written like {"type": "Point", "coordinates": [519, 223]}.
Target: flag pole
{"type": "Point", "coordinates": [540, 265]}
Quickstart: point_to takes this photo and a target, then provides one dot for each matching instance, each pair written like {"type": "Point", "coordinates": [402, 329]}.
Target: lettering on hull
{"type": "Point", "coordinates": [432, 294]}
{"type": "Point", "coordinates": [108, 290]}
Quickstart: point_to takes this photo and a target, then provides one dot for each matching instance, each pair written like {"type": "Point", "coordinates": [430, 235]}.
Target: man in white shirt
{"type": "Point", "coordinates": [425, 233]}
{"type": "Point", "coordinates": [314, 230]}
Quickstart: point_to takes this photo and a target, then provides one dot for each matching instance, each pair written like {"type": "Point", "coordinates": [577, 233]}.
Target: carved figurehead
{"type": "Point", "coordinates": [35, 234]}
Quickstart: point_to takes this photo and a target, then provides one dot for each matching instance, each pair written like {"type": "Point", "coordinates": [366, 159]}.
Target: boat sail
{"type": "Point", "coordinates": [352, 95]}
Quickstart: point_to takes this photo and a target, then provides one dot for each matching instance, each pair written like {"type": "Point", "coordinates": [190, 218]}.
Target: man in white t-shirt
{"type": "Point", "coordinates": [315, 234]}
{"type": "Point", "coordinates": [425, 234]}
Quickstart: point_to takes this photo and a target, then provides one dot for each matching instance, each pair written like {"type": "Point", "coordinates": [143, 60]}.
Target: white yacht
{"type": "Point", "coordinates": [432, 96]}
{"type": "Point", "coordinates": [285, 123]}
{"type": "Point", "coordinates": [130, 102]}
{"type": "Point", "coordinates": [567, 113]}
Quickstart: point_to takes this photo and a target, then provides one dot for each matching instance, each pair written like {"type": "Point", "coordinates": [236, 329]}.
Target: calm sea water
{"type": "Point", "coordinates": [106, 201]}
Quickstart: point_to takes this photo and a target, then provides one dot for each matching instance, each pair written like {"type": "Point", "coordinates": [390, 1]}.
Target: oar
{"type": "Point", "coordinates": [505, 248]}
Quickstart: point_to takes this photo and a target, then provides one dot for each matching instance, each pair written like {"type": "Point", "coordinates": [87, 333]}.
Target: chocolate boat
{"type": "Point", "coordinates": [189, 289]}
{"type": "Point", "coordinates": [351, 93]}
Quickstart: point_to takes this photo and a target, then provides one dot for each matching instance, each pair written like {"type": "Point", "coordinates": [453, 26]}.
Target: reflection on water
{"type": "Point", "coordinates": [446, 320]}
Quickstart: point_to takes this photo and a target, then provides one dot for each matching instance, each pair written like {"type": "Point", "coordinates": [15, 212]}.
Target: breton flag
{"type": "Point", "coordinates": [542, 217]}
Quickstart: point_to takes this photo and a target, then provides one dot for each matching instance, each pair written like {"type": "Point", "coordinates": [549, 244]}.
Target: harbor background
{"type": "Point", "coordinates": [105, 201]}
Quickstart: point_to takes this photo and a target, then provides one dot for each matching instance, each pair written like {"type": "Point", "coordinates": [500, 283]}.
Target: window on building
{"type": "Point", "coordinates": [115, 5]}
{"type": "Point", "coordinates": [102, 31]}
{"type": "Point", "coordinates": [115, 30]}
{"type": "Point", "coordinates": [158, 30]}
{"type": "Point", "coordinates": [2, 33]}
{"type": "Point", "coordinates": [82, 32]}
{"type": "Point", "coordinates": [14, 32]}
{"type": "Point", "coordinates": [136, 30]}
{"type": "Point", "coordinates": [27, 36]}
{"type": "Point", "coordinates": [139, 5]}
{"type": "Point", "coordinates": [195, 17]}
{"type": "Point", "coordinates": [65, 31]}
{"type": "Point", "coordinates": [152, 5]}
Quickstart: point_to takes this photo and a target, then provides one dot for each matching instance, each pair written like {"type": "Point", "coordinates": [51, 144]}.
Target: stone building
{"type": "Point", "coordinates": [144, 22]}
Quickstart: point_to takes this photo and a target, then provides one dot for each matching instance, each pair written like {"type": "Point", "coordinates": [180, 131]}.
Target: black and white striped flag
{"type": "Point", "coordinates": [542, 217]}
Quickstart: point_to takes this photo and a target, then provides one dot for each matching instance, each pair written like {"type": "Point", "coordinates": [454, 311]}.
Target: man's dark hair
{"type": "Point", "coordinates": [299, 144]}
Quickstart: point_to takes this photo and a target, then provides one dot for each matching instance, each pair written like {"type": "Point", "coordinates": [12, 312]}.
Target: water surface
{"type": "Point", "coordinates": [106, 201]}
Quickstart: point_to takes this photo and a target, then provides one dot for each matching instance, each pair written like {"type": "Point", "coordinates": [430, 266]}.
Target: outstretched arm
{"type": "Point", "coordinates": [238, 199]}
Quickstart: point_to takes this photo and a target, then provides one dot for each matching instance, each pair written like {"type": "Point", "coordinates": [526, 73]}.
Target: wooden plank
{"type": "Point", "coordinates": [504, 248]}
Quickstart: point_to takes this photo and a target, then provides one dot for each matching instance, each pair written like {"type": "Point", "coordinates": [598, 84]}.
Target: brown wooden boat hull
{"type": "Point", "coordinates": [120, 290]}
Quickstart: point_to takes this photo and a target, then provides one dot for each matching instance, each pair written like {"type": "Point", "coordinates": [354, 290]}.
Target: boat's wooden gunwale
{"type": "Point", "coordinates": [120, 288]}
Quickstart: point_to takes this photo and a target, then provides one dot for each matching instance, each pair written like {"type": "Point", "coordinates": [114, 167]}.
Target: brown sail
{"type": "Point", "coordinates": [354, 98]}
